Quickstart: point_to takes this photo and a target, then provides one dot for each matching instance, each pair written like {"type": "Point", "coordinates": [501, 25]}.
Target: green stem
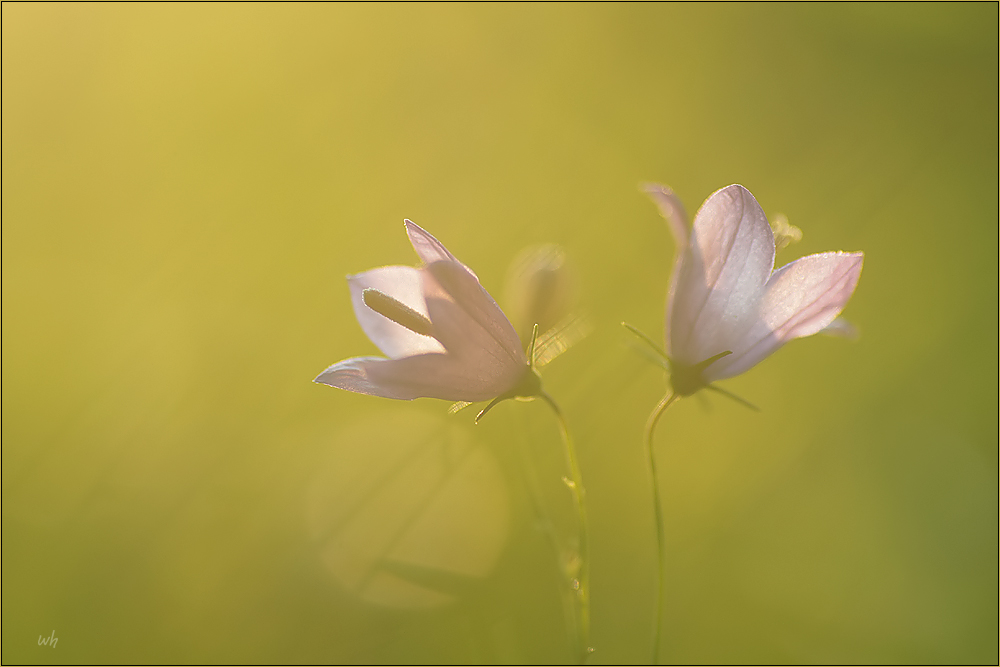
{"type": "Point", "coordinates": [583, 578]}
{"type": "Point", "coordinates": [658, 515]}
{"type": "Point", "coordinates": [545, 525]}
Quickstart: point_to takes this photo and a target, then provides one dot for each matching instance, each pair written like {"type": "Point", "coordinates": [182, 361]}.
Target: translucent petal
{"type": "Point", "coordinates": [801, 299]}
{"type": "Point", "coordinates": [402, 283]}
{"type": "Point", "coordinates": [441, 376]}
{"type": "Point", "coordinates": [472, 327]}
{"type": "Point", "coordinates": [428, 248]}
{"type": "Point", "coordinates": [353, 375]}
{"type": "Point", "coordinates": [716, 293]}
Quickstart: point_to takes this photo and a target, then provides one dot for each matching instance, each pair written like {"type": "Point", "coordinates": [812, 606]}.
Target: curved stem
{"type": "Point", "coordinates": [654, 417]}
{"type": "Point", "coordinates": [576, 486]}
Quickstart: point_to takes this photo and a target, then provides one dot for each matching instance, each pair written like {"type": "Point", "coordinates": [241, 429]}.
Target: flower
{"type": "Point", "coordinates": [727, 309]}
{"type": "Point", "coordinates": [444, 335]}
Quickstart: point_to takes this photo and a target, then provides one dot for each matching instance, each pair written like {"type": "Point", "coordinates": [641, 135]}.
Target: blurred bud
{"type": "Point", "coordinates": [785, 233]}
{"type": "Point", "coordinates": [540, 289]}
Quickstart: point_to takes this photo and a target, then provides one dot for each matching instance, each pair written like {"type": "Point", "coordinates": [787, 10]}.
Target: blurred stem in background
{"type": "Point", "coordinates": [544, 524]}
{"type": "Point", "coordinates": [661, 572]}
{"type": "Point", "coordinates": [581, 581]}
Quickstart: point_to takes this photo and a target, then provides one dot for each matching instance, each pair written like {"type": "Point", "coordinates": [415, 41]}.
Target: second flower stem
{"type": "Point", "coordinates": [582, 579]}
{"type": "Point", "coordinates": [658, 516]}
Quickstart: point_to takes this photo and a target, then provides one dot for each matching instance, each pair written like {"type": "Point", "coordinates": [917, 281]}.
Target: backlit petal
{"type": "Point", "coordinates": [424, 375]}
{"type": "Point", "coordinates": [716, 295]}
{"type": "Point", "coordinates": [428, 248]}
{"type": "Point", "coordinates": [352, 375]}
{"type": "Point", "coordinates": [801, 299]}
{"type": "Point", "coordinates": [402, 283]}
{"type": "Point", "coordinates": [471, 326]}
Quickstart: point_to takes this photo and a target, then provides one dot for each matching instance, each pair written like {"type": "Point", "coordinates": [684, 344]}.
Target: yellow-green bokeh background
{"type": "Point", "coordinates": [184, 188]}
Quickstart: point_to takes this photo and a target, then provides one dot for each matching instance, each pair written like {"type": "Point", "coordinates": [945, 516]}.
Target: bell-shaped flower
{"type": "Point", "coordinates": [728, 308]}
{"type": "Point", "coordinates": [443, 335]}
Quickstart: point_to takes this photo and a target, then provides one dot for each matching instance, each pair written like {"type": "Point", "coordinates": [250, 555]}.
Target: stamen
{"type": "Point", "coordinates": [400, 313]}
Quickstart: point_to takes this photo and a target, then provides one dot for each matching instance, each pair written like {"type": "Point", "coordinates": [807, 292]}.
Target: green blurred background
{"type": "Point", "coordinates": [185, 188]}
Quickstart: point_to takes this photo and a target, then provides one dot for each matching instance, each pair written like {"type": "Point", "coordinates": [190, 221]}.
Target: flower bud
{"type": "Point", "coordinates": [540, 289]}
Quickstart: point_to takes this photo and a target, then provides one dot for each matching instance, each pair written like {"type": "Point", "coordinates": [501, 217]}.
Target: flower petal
{"type": "Point", "coordinates": [715, 297]}
{"type": "Point", "coordinates": [428, 248]}
{"type": "Point", "coordinates": [402, 283]}
{"type": "Point", "coordinates": [801, 299]}
{"type": "Point", "coordinates": [352, 375]}
{"type": "Point", "coordinates": [466, 316]}
{"type": "Point", "coordinates": [424, 375]}
{"type": "Point", "coordinates": [672, 210]}
{"type": "Point", "coordinates": [471, 326]}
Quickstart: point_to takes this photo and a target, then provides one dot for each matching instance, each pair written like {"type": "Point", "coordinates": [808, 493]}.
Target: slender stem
{"type": "Point", "coordinates": [582, 582]}
{"type": "Point", "coordinates": [543, 522]}
{"type": "Point", "coordinates": [654, 417]}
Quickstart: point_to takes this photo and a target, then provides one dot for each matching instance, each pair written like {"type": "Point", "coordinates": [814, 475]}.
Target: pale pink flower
{"type": "Point", "coordinates": [728, 309]}
{"type": "Point", "coordinates": [443, 335]}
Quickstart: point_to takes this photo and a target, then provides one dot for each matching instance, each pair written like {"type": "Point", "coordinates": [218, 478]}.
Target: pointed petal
{"type": "Point", "coordinates": [424, 375]}
{"type": "Point", "coordinates": [402, 283]}
{"type": "Point", "coordinates": [802, 298]}
{"type": "Point", "coordinates": [672, 210]}
{"type": "Point", "coordinates": [428, 248]}
{"type": "Point", "coordinates": [471, 326]}
{"type": "Point", "coordinates": [720, 281]}
{"type": "Point", "coordinates": [353, 375]}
